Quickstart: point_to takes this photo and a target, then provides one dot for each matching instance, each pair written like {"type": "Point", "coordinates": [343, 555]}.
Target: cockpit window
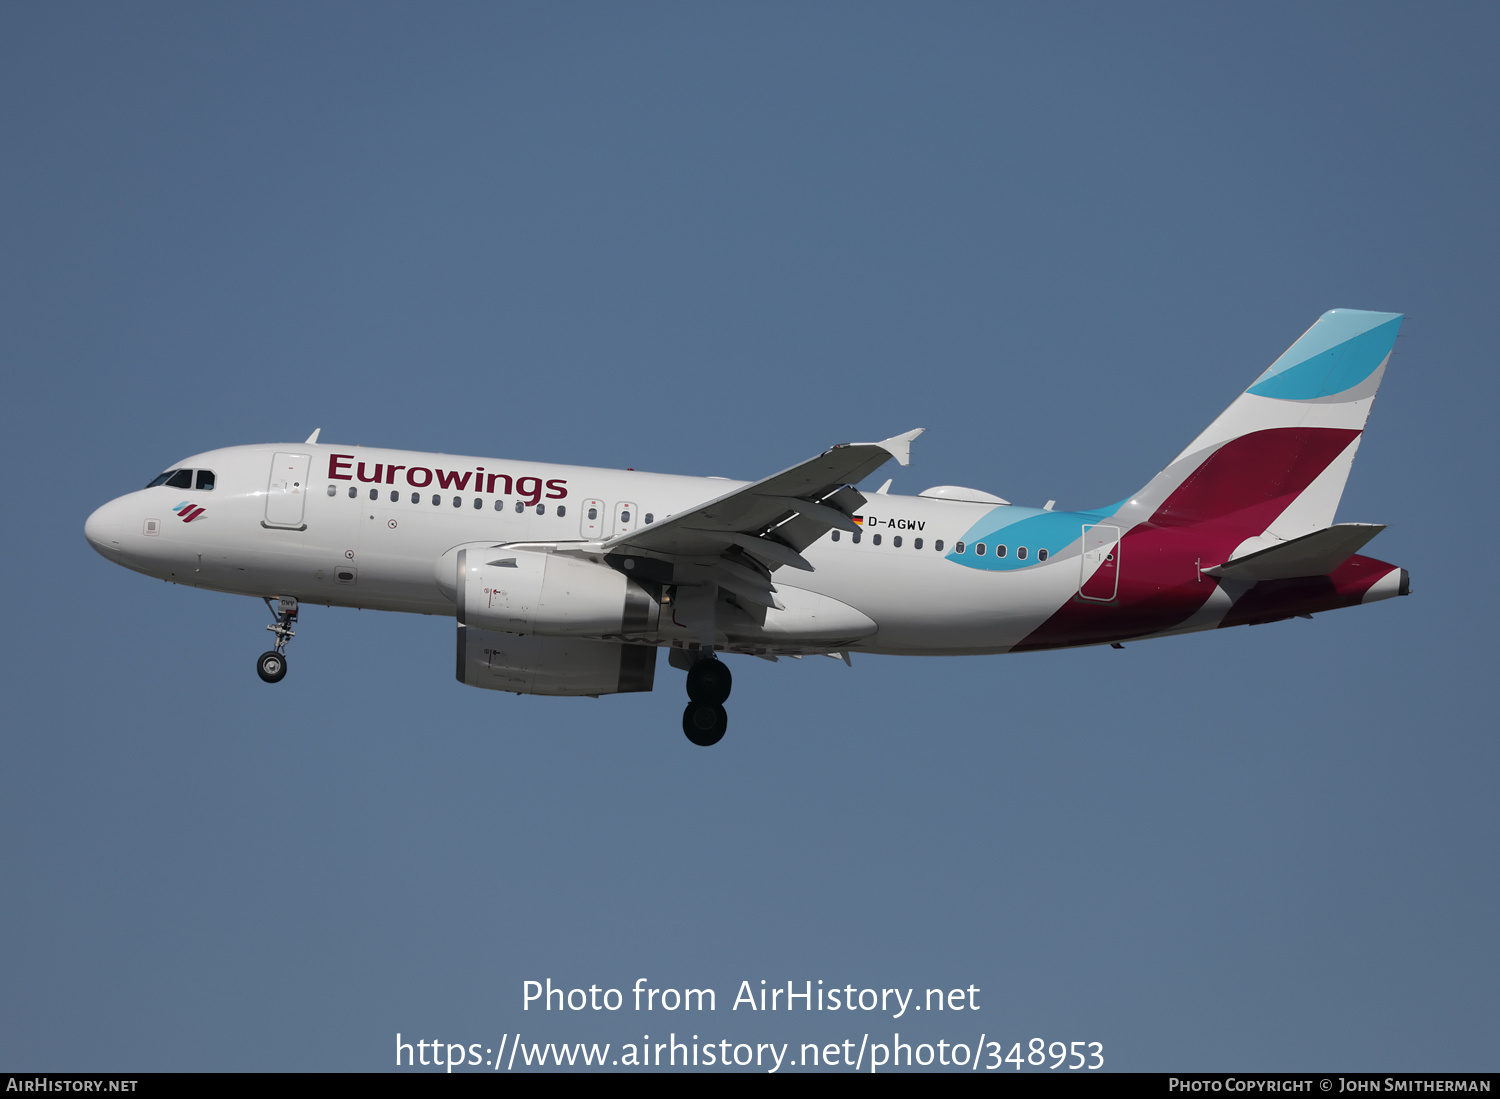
{"type": "Point", "coordinates": [183, 478]}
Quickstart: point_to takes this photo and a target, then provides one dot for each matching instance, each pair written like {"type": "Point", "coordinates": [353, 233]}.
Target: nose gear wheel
{"type": "Point", "coordinates": [271, 665]}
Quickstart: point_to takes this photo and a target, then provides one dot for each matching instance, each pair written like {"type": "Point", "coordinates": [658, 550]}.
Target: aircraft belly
{"type": "Point", "coordinates": [806, 618]}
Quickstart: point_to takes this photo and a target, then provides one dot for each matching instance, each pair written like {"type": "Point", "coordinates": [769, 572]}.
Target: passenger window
{"type": "Point", "coordinates": [520, 507]}
{"type": "Point", "coordinates": [916, 543]}
{"type": "Point", "coordinates": [958, 547]}
{"type": "Point", "coordinates": [436, 499]}
{"type": "Point", "coordinates": [624, 516]}
{"type": "Point", "coordinates": [1021, 553]}
{"type": "Point", "coordinates": [332, 491]}
{"type": "Point", "coordinates": [649, 518]}
{"type": "Point", "coordinates": [561, 510]}
{"type": "Point", "coordinates": [938, 545]}
{"type": "Point", "coordinates": [593, 513]}
{"type": "Point", "coordinates": [896, 541]}
{"type": "Point", "coordinates": [395, 497]}
{"type": "Point", "coordinates": [416, 497]}
{"type": "Point", "coordinates": [855, 537]}
{"type": "Point", "coordinates": [353, 492]}
{"type": "Point", "coordinates": [541, 509]}
{"type": "Point", "coordinates": [183, 478]}
{"type": "Point", "coordinates": [478, 503]}
{"type": "Point", "coordinates": [876, 539]}
{"type": "Point", "coordinates": [374, 494]}
{"type": "Point", "coordinates": [1000, 551]}
{"type": "Point", "coordinates": [835, 536]}
{"type": "Point", "coordinates": [979, 548]}
{"type": "Point", "coordinates": [1041, 555]}
{"type": "Point", "coordinates": [206, 480]}
{"type": "Point", "coordinates": [161, 479]}
{"type": "Point", "coordinates": [458, 501]}
{"type": "Point", "coordinates": [499, 505]}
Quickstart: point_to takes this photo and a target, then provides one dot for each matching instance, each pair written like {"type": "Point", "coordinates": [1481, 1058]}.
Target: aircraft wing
{"type": "Point", "coordinates": [774, 519]}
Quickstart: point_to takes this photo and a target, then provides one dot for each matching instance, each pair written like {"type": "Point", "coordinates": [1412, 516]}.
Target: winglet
{"type": "Point", "coordinates": [899, 446]}
{"type": "Point", "coordinates": [313, 437]}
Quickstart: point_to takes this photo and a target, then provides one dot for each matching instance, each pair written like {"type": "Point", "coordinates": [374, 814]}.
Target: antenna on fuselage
{"type": "Point", "coordinates": [313, 437]}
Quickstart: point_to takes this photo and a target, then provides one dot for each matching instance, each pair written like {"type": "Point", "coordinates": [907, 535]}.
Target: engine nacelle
{"type": "Point", "coordinates": [526, 592]}
{"type": "Point", "coordinates": [552, 665]}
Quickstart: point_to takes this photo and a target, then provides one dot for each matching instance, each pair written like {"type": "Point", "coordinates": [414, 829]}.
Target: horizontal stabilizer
{"type": "Point", "coordinates": [1316, 554]}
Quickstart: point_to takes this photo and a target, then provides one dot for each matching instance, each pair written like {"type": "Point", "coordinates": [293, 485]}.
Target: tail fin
{"type": "Point", "coordinates": [1275, 461]}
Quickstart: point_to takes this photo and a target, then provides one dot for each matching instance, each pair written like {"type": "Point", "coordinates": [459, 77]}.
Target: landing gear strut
{"type": "Point", "coordinates": [271, 666]}
{"type": "Point", "coordinates": [708, 686]}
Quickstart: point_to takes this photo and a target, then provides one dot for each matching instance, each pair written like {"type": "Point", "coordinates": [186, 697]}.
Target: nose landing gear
{"type": "Point", "coordinates": [271, 665]}
{"type": "Point", "coordinates": [708, 685]}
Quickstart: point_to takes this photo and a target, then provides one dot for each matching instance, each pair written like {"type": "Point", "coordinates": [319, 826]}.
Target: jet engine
{"type": "Point", "coordinates": [529, 592]}
{"type": "Point", "coordinates": [552, 665]}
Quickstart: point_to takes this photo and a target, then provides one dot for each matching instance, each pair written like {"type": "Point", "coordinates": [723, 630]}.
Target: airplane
{"type": "Point", "coordinates": [565, 580]}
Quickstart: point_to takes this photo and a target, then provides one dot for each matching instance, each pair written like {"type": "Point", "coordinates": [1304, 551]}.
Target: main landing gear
{"type": "Point", "coordinates": [708, 685]}
{"type": "Point", "coordinates": [271, 666]}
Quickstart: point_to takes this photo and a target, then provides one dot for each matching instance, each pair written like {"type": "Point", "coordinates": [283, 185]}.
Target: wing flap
{"type": "Point", "coordinates": [774, 518]}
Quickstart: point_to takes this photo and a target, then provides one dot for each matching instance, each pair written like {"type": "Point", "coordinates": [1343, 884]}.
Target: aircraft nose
{"type": "Point", "coordinates": [102, 529]}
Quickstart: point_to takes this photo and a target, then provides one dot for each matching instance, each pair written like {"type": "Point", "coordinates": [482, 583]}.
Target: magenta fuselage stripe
{"type": "Point", "coordinates": [1236, 493]}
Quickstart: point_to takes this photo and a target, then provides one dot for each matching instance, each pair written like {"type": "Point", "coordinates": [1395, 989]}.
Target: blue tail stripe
{"type": "Point", "coordinates": [1311, 368]}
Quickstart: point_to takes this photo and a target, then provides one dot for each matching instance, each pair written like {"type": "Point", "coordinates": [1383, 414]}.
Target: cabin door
{"type": "Point", "coordinates": [286, 494]}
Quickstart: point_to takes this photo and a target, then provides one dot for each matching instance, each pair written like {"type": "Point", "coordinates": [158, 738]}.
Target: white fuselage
{"type": "Point", "coordinates": [564, 579]}
{"type": "Point", "coordinates": [370, 528]}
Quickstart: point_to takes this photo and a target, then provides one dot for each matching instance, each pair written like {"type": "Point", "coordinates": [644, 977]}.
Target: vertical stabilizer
{"type": "Point", "coordinates": [1275, 461]}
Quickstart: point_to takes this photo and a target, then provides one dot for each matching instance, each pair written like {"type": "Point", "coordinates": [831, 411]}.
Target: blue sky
{"type": "Point", "coordinates": [714, 239]}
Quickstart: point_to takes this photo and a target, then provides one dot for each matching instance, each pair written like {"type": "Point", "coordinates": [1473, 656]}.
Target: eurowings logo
{"type": "Point", "coordinates": [187, 512]}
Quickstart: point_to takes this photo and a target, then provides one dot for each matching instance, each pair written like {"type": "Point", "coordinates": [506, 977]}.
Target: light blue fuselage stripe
{"type": "Point", "coordinates": [1014, 527]}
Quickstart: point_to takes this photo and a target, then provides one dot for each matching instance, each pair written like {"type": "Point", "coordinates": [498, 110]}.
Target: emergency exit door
{"type": "Point", "coordinates": [591, 520]}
